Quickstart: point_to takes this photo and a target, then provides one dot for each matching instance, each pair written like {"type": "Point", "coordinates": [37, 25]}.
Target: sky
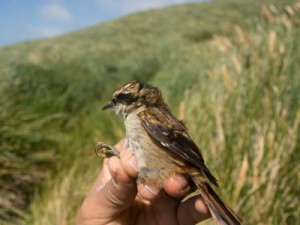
{"type": "Point", "coordinates": [22, 20]}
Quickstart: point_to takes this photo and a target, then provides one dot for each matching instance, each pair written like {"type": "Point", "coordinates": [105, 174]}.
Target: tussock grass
{"type": "Point", "coordinates": [234, 81]}
{"type": "Point", "coordinates": [251, 124]}
{"type": "Point", "coordinates": [244, 111]}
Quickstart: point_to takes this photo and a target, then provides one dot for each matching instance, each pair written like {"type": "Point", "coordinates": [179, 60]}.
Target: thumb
{"type": "Point", "coordinates": [107, 201]}
{"type": "Point", "coordinates": [121, 190]}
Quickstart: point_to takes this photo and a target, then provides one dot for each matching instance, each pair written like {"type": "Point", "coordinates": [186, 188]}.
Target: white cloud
{"type": "Point", "coordinates": [33, 32]}
{"type": "Point", "coordinates": [128, 6]}
{"type": "Point", "coordinates": [48, 31]}
{"type": "Point", "coordinates": [55, 12]}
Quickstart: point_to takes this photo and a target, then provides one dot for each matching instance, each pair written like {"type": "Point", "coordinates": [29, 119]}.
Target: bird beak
{"type": "Point", "coordinates": [108, 106]}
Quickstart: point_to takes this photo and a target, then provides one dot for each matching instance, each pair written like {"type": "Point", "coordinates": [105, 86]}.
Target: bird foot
{"type": "Point", "coordinates": [106, 151]}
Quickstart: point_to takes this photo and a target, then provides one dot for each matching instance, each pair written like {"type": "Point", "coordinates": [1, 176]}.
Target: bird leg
{"type": "Point", "coordinates": [106, 151]}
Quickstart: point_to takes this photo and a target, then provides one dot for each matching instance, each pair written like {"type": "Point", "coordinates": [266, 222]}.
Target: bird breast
{"type": "Point", "coordinates": [137, 137]}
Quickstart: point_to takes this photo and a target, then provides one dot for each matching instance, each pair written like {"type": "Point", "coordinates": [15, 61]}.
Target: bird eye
{"type": "Point", "coordinates": [122, 96]}
{"type": "Point", "coordinates": [127, 98]}
{"type": "Point", "coordinates": [114, 100]}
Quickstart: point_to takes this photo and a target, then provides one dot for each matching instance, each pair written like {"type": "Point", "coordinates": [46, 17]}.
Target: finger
{"type": "Point", "coordinates": [164, 208]}
{"type": "Point", "coordinates": [130, 165]}
{"type": "Point", "coordinates": [102, 178]}
{"type": "Point", "coordinates": [129, 161]}
{"type": "Point", "coordinates": [148, 192]}
{"type": "Point", "coordinates": [110, 199]}
{"type": "Point", "coordinates": [192, 211]}
{"type": "Point", "coordinates": [104, 174]}
{"type": "Point", "coordinates": [121, 190]}
{"type": "Point", "coordinates": [177, 186]}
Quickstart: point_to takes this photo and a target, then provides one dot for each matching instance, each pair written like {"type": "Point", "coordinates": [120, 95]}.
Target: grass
{"type": "Point", "coordinates": [229, 69]}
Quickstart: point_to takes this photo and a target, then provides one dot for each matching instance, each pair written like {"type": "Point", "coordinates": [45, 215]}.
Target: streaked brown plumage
{"type": "Point", "coordinates": [163, 146]}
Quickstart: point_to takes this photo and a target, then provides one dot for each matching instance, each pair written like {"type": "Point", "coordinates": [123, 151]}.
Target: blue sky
{"type": "Point", "coordinates": [22, 20]}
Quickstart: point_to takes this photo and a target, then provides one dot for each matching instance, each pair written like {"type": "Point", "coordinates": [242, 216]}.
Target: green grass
{"type": "Point", "coordinates": [228, 68]}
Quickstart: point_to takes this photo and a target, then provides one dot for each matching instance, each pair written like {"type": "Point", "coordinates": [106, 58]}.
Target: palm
{"type": "Point", "coordinates": [163, 211]}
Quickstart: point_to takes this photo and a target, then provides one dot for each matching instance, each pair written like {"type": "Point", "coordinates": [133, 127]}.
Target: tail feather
{"type": "Point", "coordinates": [219, 211]}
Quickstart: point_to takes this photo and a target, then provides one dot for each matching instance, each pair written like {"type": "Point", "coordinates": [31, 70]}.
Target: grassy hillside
{"type": "Point", "coordinates": [230, 69]}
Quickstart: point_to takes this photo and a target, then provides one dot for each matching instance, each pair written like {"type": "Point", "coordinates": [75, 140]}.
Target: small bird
{"type": "Point", "coordinates": [162, 145]}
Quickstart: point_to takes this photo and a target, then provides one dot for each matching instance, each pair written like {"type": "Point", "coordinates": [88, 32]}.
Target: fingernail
{"type": "Point", "coordinates": [152, 189]}
{"type": "Point", "coordinates": [132, 164]}
{"type": "Point", "coordinates": [182, 182]}
{"type": "Point", "coordinates": [132, 160]}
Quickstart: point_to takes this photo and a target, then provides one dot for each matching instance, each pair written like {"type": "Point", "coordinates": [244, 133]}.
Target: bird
{"type": "Point", "coordinates": [162, 145]}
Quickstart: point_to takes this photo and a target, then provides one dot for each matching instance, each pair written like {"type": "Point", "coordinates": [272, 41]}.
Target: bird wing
{"type": "Point", "coordinates": [172, 134]}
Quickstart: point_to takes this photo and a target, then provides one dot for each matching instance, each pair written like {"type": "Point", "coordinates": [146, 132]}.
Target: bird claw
{"type": "Point", "coordinates": [106, 151]}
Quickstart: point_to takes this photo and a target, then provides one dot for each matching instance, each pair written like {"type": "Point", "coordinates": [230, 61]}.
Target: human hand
{"type": "Point", "coordinates": [116, 198]}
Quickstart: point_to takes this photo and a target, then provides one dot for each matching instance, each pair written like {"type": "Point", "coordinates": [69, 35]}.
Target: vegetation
{"type": "Point", "coordinates": [229, 69]}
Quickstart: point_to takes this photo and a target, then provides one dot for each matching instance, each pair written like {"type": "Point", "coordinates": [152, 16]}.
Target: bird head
{"type": "Point", "coordinates": [133, 96]}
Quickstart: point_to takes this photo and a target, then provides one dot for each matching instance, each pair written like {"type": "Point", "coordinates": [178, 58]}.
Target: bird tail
{"type": "Point", "coordinates": [219, 211]}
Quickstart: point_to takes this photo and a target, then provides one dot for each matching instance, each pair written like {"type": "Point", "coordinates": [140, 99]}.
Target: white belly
{"type": "Point", "coordinates": [137, 137]}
